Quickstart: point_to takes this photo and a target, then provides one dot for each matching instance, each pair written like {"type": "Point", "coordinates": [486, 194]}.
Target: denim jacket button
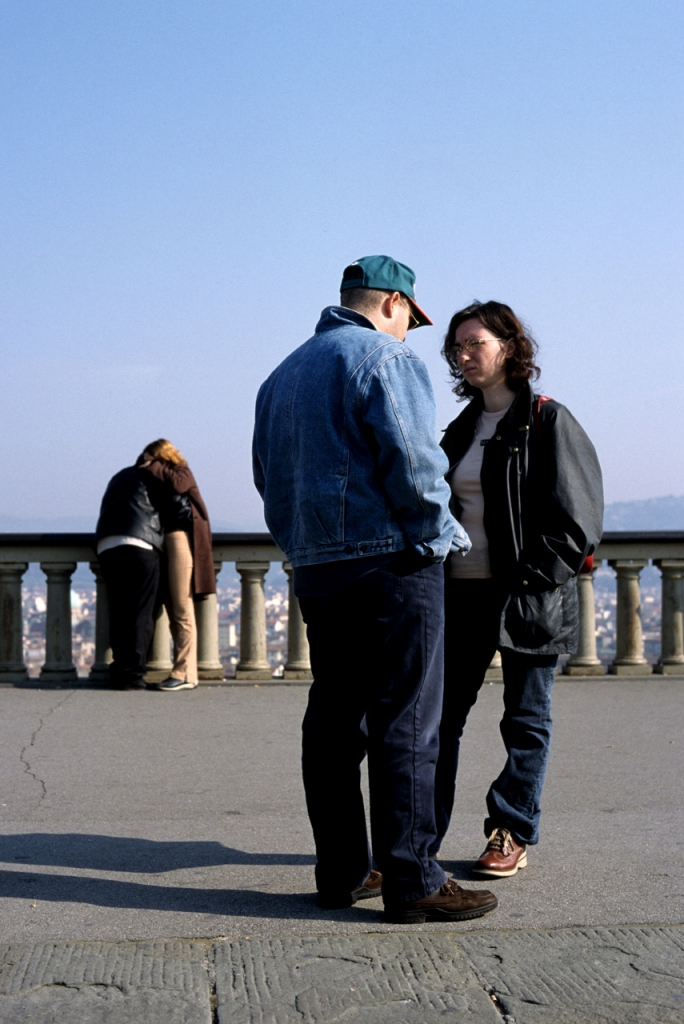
{"type": "Point", "coordinates": [349, 549]}
{"type": "Point", "coordinates": [363, 547]}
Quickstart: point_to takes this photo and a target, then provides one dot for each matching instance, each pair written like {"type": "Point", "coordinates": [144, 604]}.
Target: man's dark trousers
{"type": "Point", "coordinates": [377, 661]}
{"type": "Point", "coordinates": [132, 578]}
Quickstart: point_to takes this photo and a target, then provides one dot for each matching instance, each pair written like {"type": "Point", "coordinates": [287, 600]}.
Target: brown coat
{"type": "Point", "coordinates": [181, 479]}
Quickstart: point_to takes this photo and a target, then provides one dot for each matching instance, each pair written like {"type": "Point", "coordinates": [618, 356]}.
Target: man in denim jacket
{"type": "Point", "coordinates": [352, 479]}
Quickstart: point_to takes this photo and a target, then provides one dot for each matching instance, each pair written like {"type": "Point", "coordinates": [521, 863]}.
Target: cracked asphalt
{"type": "Point", "coordinates": [142, 817]}
{"type": "Point", "coordinates": [147, 815]}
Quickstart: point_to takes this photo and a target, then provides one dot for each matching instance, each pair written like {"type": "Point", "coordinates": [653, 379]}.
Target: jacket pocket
{"type": "Point", "coordinates": [533, 620]}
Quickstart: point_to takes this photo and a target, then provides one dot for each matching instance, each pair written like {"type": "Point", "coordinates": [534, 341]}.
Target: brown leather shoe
{"type": "Point", "coordinates": [338, 901]}
{"type": "Point", "coordinates": [503, 856]}
{"type": "Point", "coordinates": [449, 903]}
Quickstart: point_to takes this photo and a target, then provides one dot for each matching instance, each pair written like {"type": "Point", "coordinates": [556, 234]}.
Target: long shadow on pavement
{"type": "Point", "coordinates": [123, 853]}
{"type": "Point", "coordinates": [105, 892]}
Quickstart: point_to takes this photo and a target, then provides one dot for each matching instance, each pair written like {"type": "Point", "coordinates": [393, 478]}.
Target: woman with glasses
{"type": "Point", "coordinates": [189, 560]}
{"type": "Point", "coordinates": [526, 485]}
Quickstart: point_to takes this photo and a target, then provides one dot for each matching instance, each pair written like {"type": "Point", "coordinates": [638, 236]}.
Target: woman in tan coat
{"type": "Point", "coordinates": [190, 563]}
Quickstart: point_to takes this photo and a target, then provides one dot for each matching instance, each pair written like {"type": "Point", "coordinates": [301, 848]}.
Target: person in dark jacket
{"type": "Point", "coordinates": [130, 540]}
{"type": "Point", "coordinates": [526, 486]}
{"type": "Point", "coordinates": [189, 559]}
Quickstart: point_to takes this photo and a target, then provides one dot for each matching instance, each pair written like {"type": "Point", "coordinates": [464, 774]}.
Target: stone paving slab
{"type": "Point", "coordinates": [583, 976]}
{"type": "Point", "coordinates": [630, 975]}
{"type": "Point", "coordinates": [106, 983]}
{"type": "Point", "coordinates": [363, 979]}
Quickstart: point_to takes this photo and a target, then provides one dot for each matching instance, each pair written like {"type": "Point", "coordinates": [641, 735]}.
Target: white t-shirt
{"type": "Point", "coordinates": [117, 541]}
{"type": "Point", "coordinates": [466, 486]}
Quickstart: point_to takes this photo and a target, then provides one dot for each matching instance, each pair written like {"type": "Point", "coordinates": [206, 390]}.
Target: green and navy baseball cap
{"type": "Point", "coordinates": [387, 275]}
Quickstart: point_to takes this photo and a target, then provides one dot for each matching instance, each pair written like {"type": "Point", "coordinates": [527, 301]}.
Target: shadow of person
{"type": "Point", "coordinates": [124, 853]}
{"type": "Point", "coordinates": [461, 870]}
{"type": "Point", "coordinates": [122, 895]}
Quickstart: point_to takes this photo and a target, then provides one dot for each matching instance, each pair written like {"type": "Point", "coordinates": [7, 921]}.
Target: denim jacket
{"type": "Point", "coordinates": [344, 450]}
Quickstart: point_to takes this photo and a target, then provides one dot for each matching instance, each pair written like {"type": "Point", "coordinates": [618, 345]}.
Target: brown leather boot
{"type": "Point", "coordinates": [338, 901]}
{"type": "Point", "coordinates": [503, 856]}
{"type": "Point", "coordinates": [449, 903]}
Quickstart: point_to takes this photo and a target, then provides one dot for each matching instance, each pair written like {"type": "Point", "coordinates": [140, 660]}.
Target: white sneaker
{"type": "Point", "coordinates": [172, 684]}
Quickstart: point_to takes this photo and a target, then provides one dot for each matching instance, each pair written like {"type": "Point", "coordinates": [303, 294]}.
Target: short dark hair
{"type": "Point", "coordinates": [500, 319]}
{"type": "Point", "coordinates": [364, 300]}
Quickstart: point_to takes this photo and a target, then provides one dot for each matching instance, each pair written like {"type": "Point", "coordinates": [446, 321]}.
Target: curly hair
{"type": "Point", "coordinates": [502, 322]}
{"type": "Point", "coordinates": [164, 451]}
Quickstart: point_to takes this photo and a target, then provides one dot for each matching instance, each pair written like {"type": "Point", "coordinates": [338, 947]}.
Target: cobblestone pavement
{"type": "Point", "coordinates": [157, 865]}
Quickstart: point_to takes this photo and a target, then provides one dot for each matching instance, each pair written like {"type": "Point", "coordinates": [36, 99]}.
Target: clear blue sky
{"type": "Point", "coordinates": [182, 184]}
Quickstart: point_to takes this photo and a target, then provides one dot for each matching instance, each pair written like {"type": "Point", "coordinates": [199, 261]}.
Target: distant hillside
{"type": "Point", "coordinates": [651, 514]}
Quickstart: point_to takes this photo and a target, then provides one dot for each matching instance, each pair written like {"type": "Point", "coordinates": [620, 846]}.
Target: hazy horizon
{"type": "Point", "coordinates": [665, 512]}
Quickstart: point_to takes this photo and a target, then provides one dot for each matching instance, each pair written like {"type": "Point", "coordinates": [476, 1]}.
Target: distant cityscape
{"type": "Point", "coordinates": [83, 626]}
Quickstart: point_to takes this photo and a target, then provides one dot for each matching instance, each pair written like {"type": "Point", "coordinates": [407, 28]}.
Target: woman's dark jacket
{"type": "Point", "coordinates": [543, 514]}
{"type": "Point", "coordinates": [181, 480]}
{"type": "Point", "coordinates": [131, 507]}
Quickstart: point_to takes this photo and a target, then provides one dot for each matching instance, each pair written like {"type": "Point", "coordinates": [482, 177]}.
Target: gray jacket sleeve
{"type": "Point", "coordinates": [569, 501]}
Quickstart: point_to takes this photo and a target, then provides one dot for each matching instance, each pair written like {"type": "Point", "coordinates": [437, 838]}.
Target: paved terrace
{"type": "Point", "coordinates": [158, 867]}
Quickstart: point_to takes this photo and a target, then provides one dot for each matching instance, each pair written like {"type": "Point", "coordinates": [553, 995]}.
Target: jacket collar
{"type": "Point", "coordinates": [333, 317]}
{"type": "Point", "coordinates": [520, 410]}
{"type": "Point", "coordinates": [458, 435]}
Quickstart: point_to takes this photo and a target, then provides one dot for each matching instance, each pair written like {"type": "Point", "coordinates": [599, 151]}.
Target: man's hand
{"type": "Point", "coordinates": [460, 542]}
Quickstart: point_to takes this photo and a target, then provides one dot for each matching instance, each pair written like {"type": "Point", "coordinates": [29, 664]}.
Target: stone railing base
{"type": "Point", "coordinates": [211, 674]}
{"type": "Point", "coordinates": [584, 670]}
{"type": "Point", "coordinates": [304, 674]}
{"type": "Point", "coordinates": [254, 673]}
{"type": "Point", "coordinates": [669, 670]}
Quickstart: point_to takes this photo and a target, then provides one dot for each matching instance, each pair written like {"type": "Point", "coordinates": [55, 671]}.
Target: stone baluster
{"type": "Point", "coordinates": [495, 670]}
{"type": "Point", "coordinates": [59, 663]}
{"type": "Point", "coordinates": [253, 663]}
{"type": "Point", "coordinates": [629, 659]}
{"type": "Point", "coordinates": [672, 649]}
{"type": "Point", "coordinates": [159, 662]}
{"type": "Point", "coordinates": [12, 667]}
{"type": "Point", "coordinates": [100, 671]}
{"type": "Point", "coordinates": [298, 664]}
{"type": "Point", "coordinates": [585, 661]}
{"type": "Point", "coordinates": [206, 614]}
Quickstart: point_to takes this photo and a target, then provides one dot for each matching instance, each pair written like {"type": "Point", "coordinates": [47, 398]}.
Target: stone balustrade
{"type": "Point", "coordinates": [628, 553]}
{"type": "Point", "coordinates": [252, 554]}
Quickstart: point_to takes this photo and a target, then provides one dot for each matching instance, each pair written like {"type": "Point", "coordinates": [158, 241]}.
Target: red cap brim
{"type": "Point", "coordinates": [422, 317]}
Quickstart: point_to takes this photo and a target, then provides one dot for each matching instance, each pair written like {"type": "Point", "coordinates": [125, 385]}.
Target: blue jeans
{"type": "Point", "coordinates": [472, 619]}
{"type": "Point", "coordinates": [377, 661]}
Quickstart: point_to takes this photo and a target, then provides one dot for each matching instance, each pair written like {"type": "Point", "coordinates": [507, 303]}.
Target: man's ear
{"type": "Point", "coordinates": [389, 303]}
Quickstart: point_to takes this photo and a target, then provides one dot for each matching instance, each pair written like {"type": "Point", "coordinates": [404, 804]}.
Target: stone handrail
{"type": "Point", "coordinates": [58, 554]}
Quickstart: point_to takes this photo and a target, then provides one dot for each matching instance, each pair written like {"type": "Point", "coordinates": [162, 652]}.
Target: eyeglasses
{"type": "Point", "coordinates": [413, 319]}
{"type": "Point", "coordinates": [470, 345]}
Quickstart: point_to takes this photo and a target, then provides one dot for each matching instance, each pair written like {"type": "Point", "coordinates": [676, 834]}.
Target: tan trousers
{"type": "Point", "coordinates": [181, 607]}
